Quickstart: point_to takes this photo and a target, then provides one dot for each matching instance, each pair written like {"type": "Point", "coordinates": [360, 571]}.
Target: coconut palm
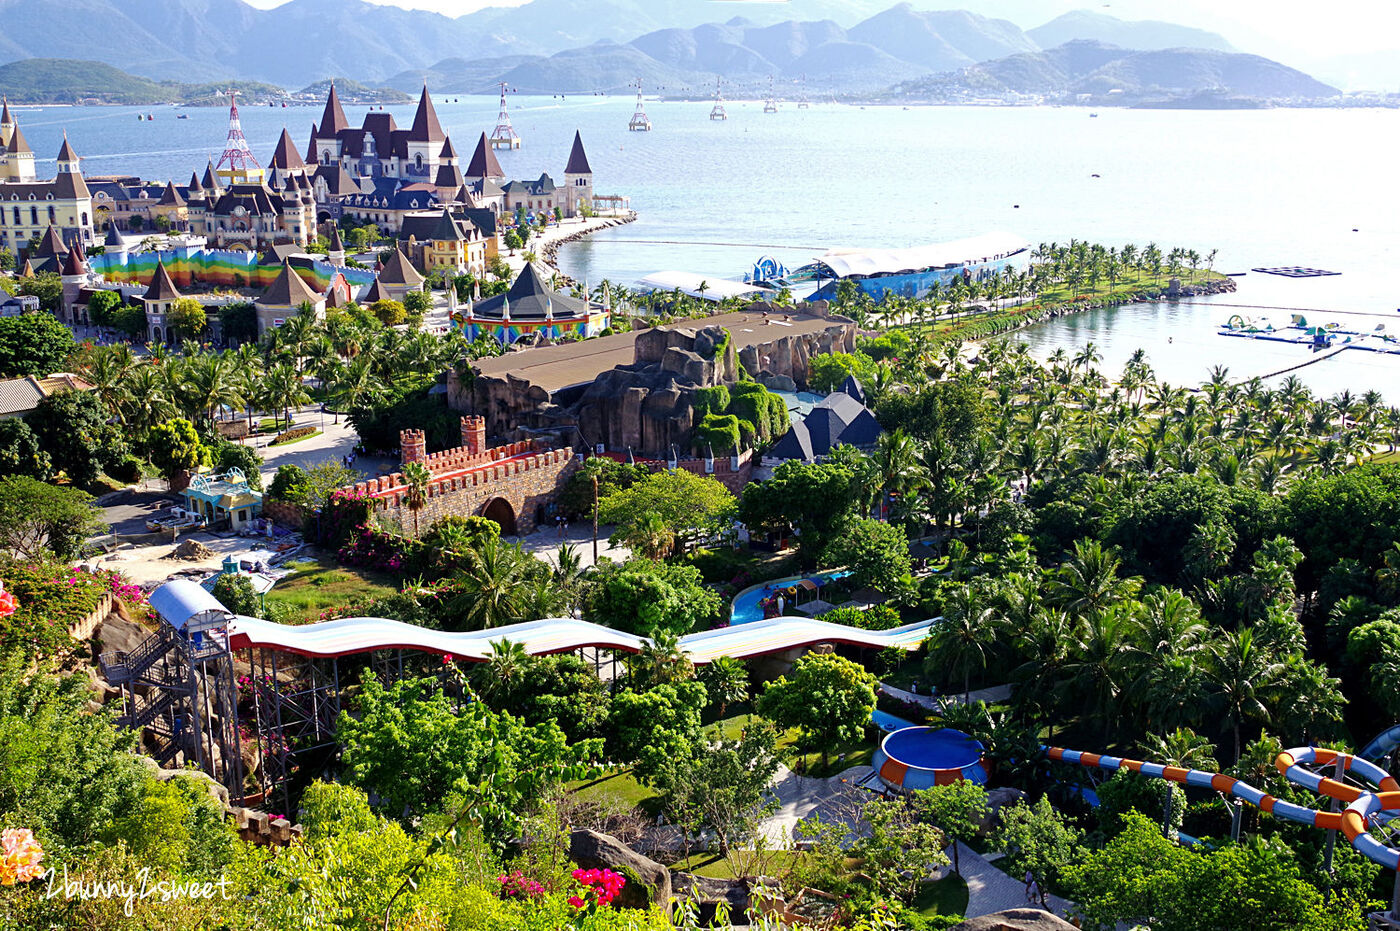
{"type": "Point", "coordinates": [416, 479]}
{"type": "Point", "coordinates": [726, 681]}
{"type": "Point", "coordinates": [963, 639]}
{"type": "Point", "coordinates": [1240, 673]}
{"type": "Point", "coordinates": [498, 679]}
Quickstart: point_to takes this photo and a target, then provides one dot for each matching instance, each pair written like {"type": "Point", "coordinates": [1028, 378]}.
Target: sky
{"type": "Point", "coordinates": [1301, 27]}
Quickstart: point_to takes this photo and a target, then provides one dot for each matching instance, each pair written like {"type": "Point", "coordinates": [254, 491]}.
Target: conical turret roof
{"type": "Point", "coordinates": [195, 187]}
{"type": "Point", "coordinates": [336, 244]}
{"type": "Point", "coordinates": [211, 180]}
{"type": "Point", "coordinates": [66, 154]}
{"type": "Point", "coordinates": [18, 144]}
{"type": "Point", "coordinates": [171, 197]}
{"type": "Point", "coordinates": [286, 156]}
{"type": "Point", "coordinates": [399, 270]}
{"type": "Point", "coordinates": [288, 289]}
{"type": "Point", "coordinates": [311, 146]}
{"type": "Point", "coordinates": [426, 127]}
{"type": "Point", "coordinates": [5, 116]}
{"type": "Point", "coordinates": [333, 117]}
{"type": "Point", "coordinates": [162, 288]}
{"type": "Point", "coordinates": [483, 163]}
{"type": "Point", "coordinates": [51, 245]}
{"type": "Point", "coordinates": [578, 159]}
{"type": "Point", "coordinates": [75, 263]}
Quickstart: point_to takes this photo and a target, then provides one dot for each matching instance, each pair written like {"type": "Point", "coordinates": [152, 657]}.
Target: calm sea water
{"type": "Point", "coordinates": [1264, 188]}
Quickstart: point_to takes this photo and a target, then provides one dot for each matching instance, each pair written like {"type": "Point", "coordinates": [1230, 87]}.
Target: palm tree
{"type": "Point", "coordinates": [963, 639]}
{"type": "Point", "coordinates": [727, 682]}
{"type": "Point", "coordinates": [1087, 583]}
{"type": "Point", "coordinates": [649, 536]}
{"type": "Point", "coordinates": [1240, 672]}
{"type": "Point", "coordinates": [897, 462]}
{"type": "Point", "coordinates": [491, 591]}
{"type": "Point", "coordinates": [497, 679]}
{"type": "Point", "coordinates": [660, 661]}
{"type": "Point", "coordinates": [416, 479]}
{"type": "Point", "coordinates": [1096, 665]}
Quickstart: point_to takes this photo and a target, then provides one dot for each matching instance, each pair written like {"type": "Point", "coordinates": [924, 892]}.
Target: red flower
{"type": "Point", "coordinates": [8, 605]}
{"type": "Point", "coordinates": [576, 902]}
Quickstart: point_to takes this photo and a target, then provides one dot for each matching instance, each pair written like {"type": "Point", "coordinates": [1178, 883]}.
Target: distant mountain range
{"type": "Point", "coordinates": [898, 44]}
{"type": "Point", "coordinates": [1109, 74]}
{"type": "Point", "coordinates": [61, 80]}
{"type": "Point", "coordinates": [546, 47]}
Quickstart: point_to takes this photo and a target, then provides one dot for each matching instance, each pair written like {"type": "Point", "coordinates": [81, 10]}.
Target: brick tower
{"type": "Point", "coordinates": [413, 447]}
{"type": "Point", "coordinates": [474, 435]}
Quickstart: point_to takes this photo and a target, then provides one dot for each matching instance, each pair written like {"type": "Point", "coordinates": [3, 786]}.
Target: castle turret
{"type": "Point", "coordinates": [474, 435]}
{"type": "Point", "coordinates": [578, 179]}
{"type": "Point", "coordinates": [336, 253]}
{"type": "Point", "coordinates": [73, 275]}
{"type": "Point", "coordinates": [19, 157]}
{"type": "Point", "coordinates": [413, 447]}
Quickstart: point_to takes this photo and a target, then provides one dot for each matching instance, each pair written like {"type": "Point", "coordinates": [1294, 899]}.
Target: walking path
{"type": "Point", "coordinates": [996, 693]}
{"type": "Point", "coordinates": [800, 797]}
{"type": "Point", "coordinates": [990, 890]}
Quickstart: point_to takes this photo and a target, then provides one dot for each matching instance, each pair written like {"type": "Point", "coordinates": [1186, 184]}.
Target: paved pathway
{"type": "Point", "coordinates": [990, 890]}
{"type": "Point", "coordinates": [800, 797]}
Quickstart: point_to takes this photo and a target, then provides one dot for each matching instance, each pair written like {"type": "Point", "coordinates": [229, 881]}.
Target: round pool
{"type": "Point", "coordinates": [923, 757]}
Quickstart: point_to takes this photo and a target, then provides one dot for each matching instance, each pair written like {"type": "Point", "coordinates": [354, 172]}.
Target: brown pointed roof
{"type": "Point", "coordinates": [195, 187]}
{"type": "Point", "coordinates": [449, 176]}
{"type": "Point", "coordinates": [337, 245]}
{"type": "Point", "coordinates": [578, 160]}
{"type": "Point", "coordinates": [161, 287]}
{"type": "Point", "coordinates": [311, 146]}
{"type": "Point", "coordinates": [288, 289]}
{"type": "Point", "coordinates": [18, 145]}
{"type": "Point", "coordinates": [51, 245]}
{"type": "Point", "coordinates": [426, 127]}
{"type": "Point", "coordinates": [66, 154]}
{"type": "Point", "coordinates": [74, 264]}
{"type": "Point", "coordinates": [374, 293]}
{"type": "Point", "coordinates": [286, 156]}
{"type": "Point", "coordinates": [5, 112]}
{"type": "Point", "coordinates": [447, 150]}
{"type": "Point", "coordinates": [399, 270]}
{"type": "Point", "coordinates": [171, 197]}
{"type": "Point", "coordinates": [333, 117]}
{"type": "Point", "coordinates": [483, 163]}
{"type": "Point", "coordinates": [211, 180]}
{"type": "Point", "coordinates": [27, 271]}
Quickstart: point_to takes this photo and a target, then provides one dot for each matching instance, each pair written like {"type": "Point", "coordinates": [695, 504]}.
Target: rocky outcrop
{"type": "Point", "coordinates": [1015, 919]}
{"type": "Point", "coordinates": [648, 882]}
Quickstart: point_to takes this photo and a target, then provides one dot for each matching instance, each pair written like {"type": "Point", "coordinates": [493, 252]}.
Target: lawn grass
{"type": "Point", "coordinates": [1386, 457]}
{"type": "Point", "coordinates": [946, 896]}
{"type": "Point", "coordinates": [738, 863]}
{"type": "Point", "coordinates": [619, 786]}
{"type": "Point", "coordinates": [317, 585]}
{"type": "Point", "coordinates": [808, 764]}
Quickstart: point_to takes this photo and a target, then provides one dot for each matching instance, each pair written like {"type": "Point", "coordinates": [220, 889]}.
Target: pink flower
{"type": "Point", "coordinates": [576, 902]}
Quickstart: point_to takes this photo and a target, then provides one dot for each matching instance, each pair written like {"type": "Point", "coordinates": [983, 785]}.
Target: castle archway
{"type": "Point", "coordinates": [500, 510]}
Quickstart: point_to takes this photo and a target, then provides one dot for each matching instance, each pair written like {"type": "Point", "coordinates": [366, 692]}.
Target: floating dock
{"type": "Point", "coordinates": [1295, 271]}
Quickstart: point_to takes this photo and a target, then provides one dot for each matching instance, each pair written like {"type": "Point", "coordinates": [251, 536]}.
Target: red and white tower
{"type": "Point", "coordinates": [242, 166]}
{"type": "Point", "coordinates": [504, 135]}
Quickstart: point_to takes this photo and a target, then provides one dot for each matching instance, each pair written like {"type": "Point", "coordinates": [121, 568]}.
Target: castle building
{"type": "Point", "coordinates": [438, 239]}
{"type": "Point", "coordinates": [284, 299]}
{"type": "Point", "coordinates": [158, 299]}
{"type": "Point", "coordinates": [532, 309]}
{"type": "Point", "coordinates": [28, 206]}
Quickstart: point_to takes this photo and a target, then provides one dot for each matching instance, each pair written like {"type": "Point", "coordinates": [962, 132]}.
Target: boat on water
{"type": "Point", "coordinates": [910, 272]}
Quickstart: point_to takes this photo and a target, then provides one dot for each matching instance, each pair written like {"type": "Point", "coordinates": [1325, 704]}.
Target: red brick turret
{"type": "Point", "coordinates": [413, 446]}
{"type": "Point", "coordinates": [474, 435]}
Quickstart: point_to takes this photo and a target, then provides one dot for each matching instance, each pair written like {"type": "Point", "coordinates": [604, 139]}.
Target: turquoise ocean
{"type": "Point", "coordinates": [1277, 187]}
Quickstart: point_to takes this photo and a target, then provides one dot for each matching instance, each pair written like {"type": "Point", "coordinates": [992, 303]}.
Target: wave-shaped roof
{"type": "Point", "coordinates": [846, 262]}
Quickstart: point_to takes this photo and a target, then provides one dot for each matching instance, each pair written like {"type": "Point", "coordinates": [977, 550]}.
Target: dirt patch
{"type": "Point", "coordinates": [192, 551]}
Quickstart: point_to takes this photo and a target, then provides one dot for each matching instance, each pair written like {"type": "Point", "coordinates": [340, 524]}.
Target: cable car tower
{"type": "Point", "coordinates": [504, 135]}
{"type": "Point", "coordinates": [771, 104]}
{"type": "Point", "coordinates": [717, 112]}
{"type": "Point", "coordinates": [242, 165]}
{"type": "Point", "coordinates": [640, 122]}
{"type": "Point", "coordinates": [802, 93]}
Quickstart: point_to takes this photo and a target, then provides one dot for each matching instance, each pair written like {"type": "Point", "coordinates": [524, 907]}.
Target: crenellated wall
{"type": "Point", "coordinates": [469, 478]}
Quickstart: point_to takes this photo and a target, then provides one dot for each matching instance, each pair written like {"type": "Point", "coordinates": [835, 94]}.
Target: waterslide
{"type": "Point", "coordinates": [558, 635]}
{"type": "Point", "coordinates": [1364, 808]}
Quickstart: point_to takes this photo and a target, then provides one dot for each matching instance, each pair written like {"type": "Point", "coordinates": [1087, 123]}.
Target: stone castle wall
{"type": "Point", "coordinates": [474, 480]}
{"type": "Point", "coordinates": [733, 472]}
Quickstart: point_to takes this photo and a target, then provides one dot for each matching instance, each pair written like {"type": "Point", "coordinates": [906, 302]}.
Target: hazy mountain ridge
{"type": "Point", "coordinates": [1146, 35]}
{"type": "Point", "coordinates": [1125, 76]}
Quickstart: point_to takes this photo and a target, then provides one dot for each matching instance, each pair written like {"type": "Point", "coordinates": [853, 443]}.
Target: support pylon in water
{"type": "Point", "coordinates": [504, 135]}
{"type": "Point", "coordinates": [640, 122]}
{"type": "Point", "coordinates": [717, 112]}
{"type": "Point", "coordinates": [771, 104]}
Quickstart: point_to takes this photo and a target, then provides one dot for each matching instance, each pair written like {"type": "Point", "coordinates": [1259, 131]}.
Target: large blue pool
{"type": "Point", "coordinates": [922, 757]}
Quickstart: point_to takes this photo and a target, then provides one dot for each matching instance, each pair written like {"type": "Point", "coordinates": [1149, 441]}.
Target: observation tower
{"type": "Point", "coordinates": [242, 166]}
{"type": "Point", "coordinates": [504, 135]}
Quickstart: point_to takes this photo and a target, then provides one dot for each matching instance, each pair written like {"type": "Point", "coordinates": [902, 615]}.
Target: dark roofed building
{"type": "Point", "coordinates": [398, 276]}
{"type": "Point", "coordinates": [839, 420]}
